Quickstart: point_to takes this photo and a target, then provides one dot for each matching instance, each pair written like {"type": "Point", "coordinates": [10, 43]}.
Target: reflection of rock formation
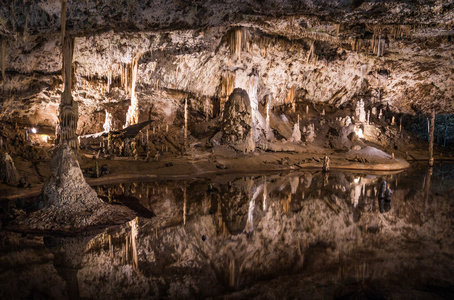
{"type": "Point", "coordinates": [68, 259]}
{"type": "Point", "coordinates": [320, 237]}
{"type": "Point", "coordinates": [237, 121]}
{"type": "Point", "coordinates": [255, 191]}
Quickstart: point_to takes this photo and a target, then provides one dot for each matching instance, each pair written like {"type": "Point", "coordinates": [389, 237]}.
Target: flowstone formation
{"type": "Point", "coordinates": [237, 122]}
{"type": "Point", "coordinates": [67, 202]}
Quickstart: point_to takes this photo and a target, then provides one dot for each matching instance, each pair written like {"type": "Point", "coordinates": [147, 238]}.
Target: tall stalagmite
{"type": "Point", "coordinates": [132, 116]}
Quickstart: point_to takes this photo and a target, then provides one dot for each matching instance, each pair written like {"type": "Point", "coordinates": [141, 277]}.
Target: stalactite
{"type": "Point", "coordinates": [290, 99]}
{"type": "Point", "coordinates": [109, 79]}
{"type": "Point", "coordinates": [239, 41]}
{"type": "Point", "coordinates": [311, 53]}
{"type": "Point", "coordinates": [227, 86]}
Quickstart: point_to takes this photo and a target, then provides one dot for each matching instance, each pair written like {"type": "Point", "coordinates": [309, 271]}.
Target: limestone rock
{"type": "Point", "coordinates": [237, 122]}
{"type": "Point", "coordinates": [8, 172]}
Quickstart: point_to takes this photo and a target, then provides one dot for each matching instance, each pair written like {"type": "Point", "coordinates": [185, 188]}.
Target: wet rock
{"type": "Point", "coordinates": [8, 172]}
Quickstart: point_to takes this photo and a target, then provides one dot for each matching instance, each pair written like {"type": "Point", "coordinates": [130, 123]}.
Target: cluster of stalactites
{"type": "Point", "coordinates": [239, 41]}
{"type": "Point", "coordinates": [381, 33]}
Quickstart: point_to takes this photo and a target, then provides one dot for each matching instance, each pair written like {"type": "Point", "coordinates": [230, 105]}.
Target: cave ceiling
{"type": "Point", "coordinates": [325, 50]}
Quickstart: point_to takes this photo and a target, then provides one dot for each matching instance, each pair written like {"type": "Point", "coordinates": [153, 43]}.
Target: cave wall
{"type": "Point", "coordinates": [197, 61]}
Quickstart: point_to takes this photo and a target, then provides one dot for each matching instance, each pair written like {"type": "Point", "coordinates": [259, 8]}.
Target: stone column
{"type": "Point", "coordinates": [69, 112]}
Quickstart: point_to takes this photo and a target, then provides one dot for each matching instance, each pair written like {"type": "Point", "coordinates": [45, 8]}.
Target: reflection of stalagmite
{"type": "Point", "coordinates": [185, 121]}
{"type": "Point", "coordinates": [184, 205]}
{"type": "Point", "coordinates": [427, 183]}
{"type": "Point", "coordinates": [131, 243]}
{"type": "Point", "coordinates": [286, 204]}
{"type": "Point", "coordinates": [265, 194]}
{"type": "Point", "coordinates": [294, 182]}
{"type": "Point", "coordinates": [431, 137]}
{"type": "Point", "coordinates": [249, 228]}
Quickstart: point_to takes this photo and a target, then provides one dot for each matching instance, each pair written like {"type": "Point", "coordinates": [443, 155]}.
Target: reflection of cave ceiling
{"type": "Point", "coordinates": [326, 51]}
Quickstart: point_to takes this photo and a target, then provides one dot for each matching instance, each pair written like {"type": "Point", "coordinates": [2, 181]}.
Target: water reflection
{"type": "Point", "coordinates": [229, 234]}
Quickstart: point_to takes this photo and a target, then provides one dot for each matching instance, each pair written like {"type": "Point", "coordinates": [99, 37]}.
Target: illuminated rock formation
{"type": "Point", "coordinates": [237, 122]}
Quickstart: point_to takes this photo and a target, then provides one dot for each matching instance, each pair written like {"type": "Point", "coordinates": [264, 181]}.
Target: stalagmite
{"type": "Point", "coordinates": [368, 117]}
{"type": "Point", "coordinates": [393, 121]}
{"type": "Point", "coordinates": [296, 136]}
{"type": "Point", "coordinates": [267, 121]}
{"type": "Point", "coordinates": [307, 109]}
{"type": "Point", "coordinates": [132, 116]}
{"type": "Point", "coordinates": [326, 164]}
{"type": "Point", "coordinates": [431, 137]}
{"type": "Point", "coordinates": [108, 122]}
{"type": "Point", "coordinates": [360, 112]}
{"type": "Point", "coordinates": [374, 111]}
{"type": "Point", "coordinates": [380, 115]}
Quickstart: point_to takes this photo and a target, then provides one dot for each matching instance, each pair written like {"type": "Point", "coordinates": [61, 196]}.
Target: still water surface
{"type": "Point", "coordinates": [289, 235]}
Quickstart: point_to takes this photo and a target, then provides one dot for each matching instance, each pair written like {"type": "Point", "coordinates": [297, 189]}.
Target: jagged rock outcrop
{"type": "Point", "coordinates": [237, 122]}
